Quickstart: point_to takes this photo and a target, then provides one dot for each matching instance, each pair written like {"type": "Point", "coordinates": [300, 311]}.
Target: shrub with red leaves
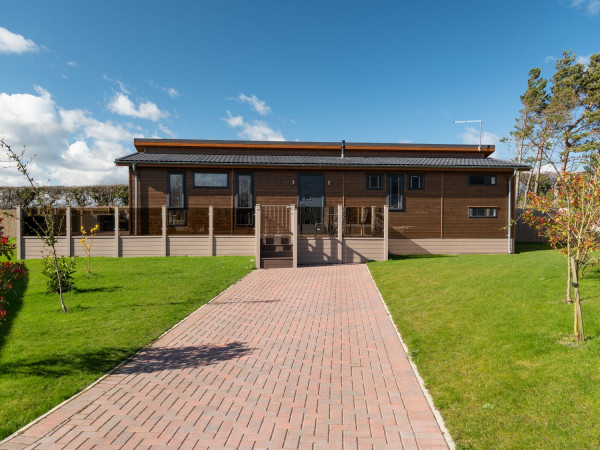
{"type": "Point", "coordinates": [9, 271]}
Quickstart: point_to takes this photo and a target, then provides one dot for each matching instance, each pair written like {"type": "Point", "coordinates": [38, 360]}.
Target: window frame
{"type": "Point", "coordinates": [169, 190]}
{"type": "Point", "coordinates": [421, 182]}
{"type": "Point", "coordinates": [211, 187]}
{"type": "Point", "coordinates": [236, 199]}
{"type": "Point", "coordinates": [487, 180]}
{"type": "Point", "coordinates": [176, 208]}
{"type": "Point", "coordinates": [401, 193]}
{"type": "Point", "coordinates": [380, 183]}
{"type": "Point", "coordinates": [471, 208]}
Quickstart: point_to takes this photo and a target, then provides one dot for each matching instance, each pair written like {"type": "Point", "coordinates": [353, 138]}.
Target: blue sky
{"type": "Point", "coordinates": [80, 80]}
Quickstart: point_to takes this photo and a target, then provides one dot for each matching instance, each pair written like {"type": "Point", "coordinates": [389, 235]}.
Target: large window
{"type": "Point", "coordinates": [211, 180]}
{"type": "Point", "coordinates": [396, 192]}
{"type": "Point", "coordinates": [483, 212]}
{"type": "Point", "coordinates": [176, 199]}
{"type": "Point", "coordinates": [374, 181]}
{"type": "Point", "coordinates": [244, 200]}
{"type": "Point", "coordinates": [483, 180]}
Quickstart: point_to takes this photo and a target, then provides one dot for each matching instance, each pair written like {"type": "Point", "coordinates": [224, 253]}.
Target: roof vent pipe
{"type": "Point", "coordinates": [343, 147]}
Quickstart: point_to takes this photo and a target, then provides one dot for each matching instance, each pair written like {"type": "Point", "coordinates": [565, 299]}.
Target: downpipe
{"type": "Point", "coordinates": [509, 225]}
{"type": "Point", "coordinates": [135, 174]}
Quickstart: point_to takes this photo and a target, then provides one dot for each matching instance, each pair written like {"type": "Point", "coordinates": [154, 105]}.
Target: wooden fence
{"type": "Point", "coordinates": [364, 239]}
{"type": "Point", "coordinates": [524, 233]}
{"type": "Point", "coordinates": [9, 223]}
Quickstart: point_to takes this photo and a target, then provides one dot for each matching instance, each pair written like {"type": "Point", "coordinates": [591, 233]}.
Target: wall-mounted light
{"type": "Point", "coordinates": [328, 182]}
{"type": "Point", "coordinates": [293, 182]}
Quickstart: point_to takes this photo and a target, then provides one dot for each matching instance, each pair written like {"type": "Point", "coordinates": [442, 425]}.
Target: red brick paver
{"type": "Point", "coordinates": [287, 358]}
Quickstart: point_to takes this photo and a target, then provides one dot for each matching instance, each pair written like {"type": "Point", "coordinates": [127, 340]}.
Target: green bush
{"type": "Point", "coordinates": [66, 267]}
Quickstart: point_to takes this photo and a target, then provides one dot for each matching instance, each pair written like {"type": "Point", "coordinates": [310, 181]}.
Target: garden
{"type": "Point", "coordinates": [493, 339]}
{"type": "Point", "coordinates": [47, 355]}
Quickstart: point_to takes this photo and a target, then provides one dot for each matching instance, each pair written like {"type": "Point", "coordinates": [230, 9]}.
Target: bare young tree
{"type": "Point", "coordinates": [47, 231]}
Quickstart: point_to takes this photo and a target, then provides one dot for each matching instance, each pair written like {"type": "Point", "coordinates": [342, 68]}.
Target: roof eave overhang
{"type": "Point", "coordinates": [312, 166]}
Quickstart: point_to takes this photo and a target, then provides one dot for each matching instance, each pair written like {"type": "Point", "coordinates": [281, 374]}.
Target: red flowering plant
{"type": "Point", "coordinates": [9, 271]}
{"type": "Point", "coordinates": [571, 223]}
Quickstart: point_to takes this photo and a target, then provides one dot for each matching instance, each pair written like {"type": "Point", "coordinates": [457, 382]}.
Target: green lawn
{"type": "Point", "coordinates": [47, 356]}
{"type": "Point", "coordinates": [489, 334]}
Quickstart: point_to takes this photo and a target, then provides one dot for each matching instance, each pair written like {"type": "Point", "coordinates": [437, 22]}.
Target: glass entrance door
{"type": "Point", "coordinates": [311, 201]}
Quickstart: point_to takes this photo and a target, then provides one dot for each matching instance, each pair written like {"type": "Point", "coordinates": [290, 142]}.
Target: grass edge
{"type": "Point", "coordinates": [436, 413]}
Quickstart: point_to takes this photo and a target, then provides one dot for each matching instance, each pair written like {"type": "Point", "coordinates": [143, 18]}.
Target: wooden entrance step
{"type": "Point", "coordinates": [279, 262]}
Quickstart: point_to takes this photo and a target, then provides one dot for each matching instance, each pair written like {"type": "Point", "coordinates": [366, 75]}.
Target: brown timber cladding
{"type": "Point", "coordinates": [440, 210]}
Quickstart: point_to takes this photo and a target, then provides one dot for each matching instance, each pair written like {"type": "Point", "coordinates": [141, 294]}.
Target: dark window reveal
{"type": "Point", "coordinates": [483, 212]}
{"type": "Point", "coordinates": [416, 182]}
{"type": "Point", "coordinates": [244, 200]}
{"type": "Point", "coordinates": [374, 181]}
{"type": "Point", "coordinates": [483, 180]}
{"type": "Point", "coordinates": [396, 192]}
{"type": "Point", "coordinates": [176, 199]}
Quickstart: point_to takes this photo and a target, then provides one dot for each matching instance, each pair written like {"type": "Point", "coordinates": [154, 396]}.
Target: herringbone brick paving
{"type": "Point", "coordinates": [287, 358]}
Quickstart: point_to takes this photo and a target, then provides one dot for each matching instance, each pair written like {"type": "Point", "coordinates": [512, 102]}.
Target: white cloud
{"type": "Point", "coordinates": [72, 64]}
{"type": "Point", "coordinates": [591, 7]}
{"type": "Point", "coordinates": [260, 106]}
{"type": "Point", "coordinates": [70, 146]}
{"type": "Point", "coordinates": [234, 121]}
{"type": "Point", "coordinates": [172, 92]}
{"type": "Point", "coordinates": [15, 43]}
{"type": "Point", "coordinates": [471, 137]}
{"type": "Point", "coordinates": [255, 130]}
{"type": "Point", "coordinates": [549, 58]}
{"type": "Point", "coordinates": [122, 105]}
{"type": "Point", "coordinates": [167, 131]}
{"type": "Point", "coordinates": [121, 85]}
{"type": "Point", "coordinates": [583, 59]}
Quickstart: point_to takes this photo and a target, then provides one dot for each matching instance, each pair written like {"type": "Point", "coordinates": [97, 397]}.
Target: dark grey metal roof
{"type": "Point", "coordinates": [314, 161]}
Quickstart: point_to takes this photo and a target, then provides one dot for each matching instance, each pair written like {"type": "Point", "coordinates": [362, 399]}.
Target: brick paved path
{"type": "Point", "coordinates": [287, 358]}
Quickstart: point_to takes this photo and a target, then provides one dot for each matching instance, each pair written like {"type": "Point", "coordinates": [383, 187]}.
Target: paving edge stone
{"type": "Point", "coordinates": [118, 366]}
{"type": "Point", "coordinates": [438, 417]}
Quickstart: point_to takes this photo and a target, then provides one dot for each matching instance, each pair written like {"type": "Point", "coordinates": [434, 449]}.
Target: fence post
{"type": "Point", "coordinates": [19, 217]}
{"type": "Point", "coordinates": [211, 233]}
{"type": "Point", "coordinates": [257, 234]}
{"type": "Point", "coordinates": [117, 232]}
{"type": "Point", "coordinates": [386, 226]}
{"type": "Point", "coordinates": [294, 229]}
{"type": "Point", "coordinates": [164, 230]}
{"type": "Point", "coordinates": [340, 233]}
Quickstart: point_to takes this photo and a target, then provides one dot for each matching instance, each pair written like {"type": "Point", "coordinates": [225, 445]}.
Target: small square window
{"type": "Point", "coordinates": [481, 212]}
{"type": "Point", "coordinates": [416, 182]}
{"type": "Point", "coordinates": [483, 180]}
{"type": "Point", "coordinates": [374, 181]}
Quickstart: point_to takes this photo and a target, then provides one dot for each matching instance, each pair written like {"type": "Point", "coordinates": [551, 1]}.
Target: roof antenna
{"type": "Point", "coordinates": [343, 147]}
{"type": "Point", "coordinates": [480, 128]}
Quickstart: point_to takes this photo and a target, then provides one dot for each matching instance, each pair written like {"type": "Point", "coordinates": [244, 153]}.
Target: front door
{"type": "Point", "coordinates": [311, 201]}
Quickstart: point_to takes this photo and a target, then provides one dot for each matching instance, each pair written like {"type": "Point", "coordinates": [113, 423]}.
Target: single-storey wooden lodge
{"type": "Point", "coordinates": [340, 201]}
